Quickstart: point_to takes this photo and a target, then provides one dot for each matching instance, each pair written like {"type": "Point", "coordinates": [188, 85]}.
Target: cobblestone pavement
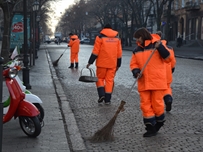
{"type": "Point", "coordinates": [178, 133]}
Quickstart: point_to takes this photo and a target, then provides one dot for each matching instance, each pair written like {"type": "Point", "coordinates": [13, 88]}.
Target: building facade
{"type": "Point", "coordinates": [186, 20]}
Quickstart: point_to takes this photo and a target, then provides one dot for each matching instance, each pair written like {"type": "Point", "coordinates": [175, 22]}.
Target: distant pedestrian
{"type": "Point", "coordinates": [58, 40]}
{"type": "Point", "coordinates": [179, 41]}
{"type": "Point", "coordinates": [107, 52]}
{"type": "Point", "coordinates": [153, 82]}
{"type": "Point", "coordinates": [74, 44]}
{"type": "Point", "coordinates": [170, 67]}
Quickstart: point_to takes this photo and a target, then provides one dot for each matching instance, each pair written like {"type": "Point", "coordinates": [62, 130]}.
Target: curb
{"type": "Point", "coordinates": [73, 135]}
{"type": "Point", "coordinates": [193, 58]}
{"type": "Point", "coordinates": [179, 56]}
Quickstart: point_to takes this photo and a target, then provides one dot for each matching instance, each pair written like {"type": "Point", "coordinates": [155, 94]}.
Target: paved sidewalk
{"type": "Point", "coordinates": [53, 135]}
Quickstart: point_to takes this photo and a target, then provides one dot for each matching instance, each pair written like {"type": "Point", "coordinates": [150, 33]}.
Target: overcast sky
{"type": "Point", "coordinates": [59, 8]}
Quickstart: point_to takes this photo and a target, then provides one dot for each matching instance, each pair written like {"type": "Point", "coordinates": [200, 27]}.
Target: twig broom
{"type": "Point", "coordinates": [55, 63]}
{"type": "Point", "coordinates": [106, 133]}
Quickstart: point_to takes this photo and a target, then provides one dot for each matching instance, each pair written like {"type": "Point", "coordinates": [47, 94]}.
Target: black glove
{"type": "Point", "coordinates": [136, 72]}
{"type": "Point", "coordinates": [173, 69]}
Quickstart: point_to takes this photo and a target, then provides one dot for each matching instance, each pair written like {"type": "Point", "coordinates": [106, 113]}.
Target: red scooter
{"type": "Point", "coordinates": [19, 107]}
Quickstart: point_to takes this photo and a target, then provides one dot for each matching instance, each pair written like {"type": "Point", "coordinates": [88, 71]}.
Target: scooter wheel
{"type": "Point", "coordinates": [41, 110]}
{"type": "Point", "coordinates": [30, 125]}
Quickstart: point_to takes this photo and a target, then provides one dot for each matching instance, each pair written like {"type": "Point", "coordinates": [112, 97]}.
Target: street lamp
{"type": "Point", "coordinates": [38, 18]}
{"type": "Point", "coordinates": [35, 7]}
{"type": "Point", "coordinates": [38, 33]}
{"type": "Point", "coordinates": [25, 49]}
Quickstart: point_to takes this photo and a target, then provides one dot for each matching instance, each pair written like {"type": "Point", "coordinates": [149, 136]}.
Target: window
{"type": "Point", "coordinates": [176, 4]}
{"type": "Point", "coordinates": [183, 3]}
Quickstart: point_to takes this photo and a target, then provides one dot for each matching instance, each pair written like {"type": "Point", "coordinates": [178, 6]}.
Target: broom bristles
{"type": "Point", "coordinates": [55, 63]}
{"type": "Point", "coordinates": [106, 133]}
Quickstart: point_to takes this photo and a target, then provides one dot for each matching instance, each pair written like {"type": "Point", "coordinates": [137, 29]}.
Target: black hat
{"type": "Point", "coordinates": [107, 26]}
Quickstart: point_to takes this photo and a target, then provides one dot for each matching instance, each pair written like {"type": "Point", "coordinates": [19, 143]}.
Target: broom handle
{"type": "Point", "coordinates": [62, 53]}
{"type": "Point", "coordinates": [140, 74]}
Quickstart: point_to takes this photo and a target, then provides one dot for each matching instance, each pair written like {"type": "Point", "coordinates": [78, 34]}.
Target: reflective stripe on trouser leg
{"type": "Point", "coordinates": [160, 118]}
{"type": "Point", "coordinates": [151, 121]}
{"type": "Point", "coordinates": [151, 103]}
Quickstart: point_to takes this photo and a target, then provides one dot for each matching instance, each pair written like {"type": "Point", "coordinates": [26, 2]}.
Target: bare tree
{"type": "Point", "coordinates": [124, 16]}
{"type": "Point", "coordinates": [167, 31]}
{"type": "Point", "coordinates": [8, 14]}
{"type": "Point", "coordinates": [8, 7]}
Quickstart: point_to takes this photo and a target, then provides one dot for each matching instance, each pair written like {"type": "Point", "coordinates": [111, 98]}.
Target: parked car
{"type": "Point", "coordinates": [85, 41]}
{"type": "Point", "coordinates": [47, 39]}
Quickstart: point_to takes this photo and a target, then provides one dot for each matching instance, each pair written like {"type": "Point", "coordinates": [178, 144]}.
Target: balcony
{"type": "Point", "coordinates": [192, 6]}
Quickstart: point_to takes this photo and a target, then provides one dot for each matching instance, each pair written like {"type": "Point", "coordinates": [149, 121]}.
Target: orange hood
{"type": "Point", "coordinates": [109, 32]}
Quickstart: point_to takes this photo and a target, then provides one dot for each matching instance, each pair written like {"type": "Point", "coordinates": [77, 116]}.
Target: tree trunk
{"type": "Point", "coordinates": [167, 30]}
{"type": "Point", "coordinates": [5, 50]}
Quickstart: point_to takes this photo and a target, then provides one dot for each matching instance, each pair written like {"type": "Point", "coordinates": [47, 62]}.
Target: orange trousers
{"type": "Point", "coordinates": [105, 78]}
{"type": "Point", "coordinates": [168, 91]}
{"type": "Point", "coordinates": [74, 57]}
{"type": "Point", "coordinates": [152, 103]}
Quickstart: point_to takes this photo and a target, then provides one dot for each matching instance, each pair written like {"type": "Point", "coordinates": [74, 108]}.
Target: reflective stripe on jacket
{"type": "Point", "coordinates": [154, 75]}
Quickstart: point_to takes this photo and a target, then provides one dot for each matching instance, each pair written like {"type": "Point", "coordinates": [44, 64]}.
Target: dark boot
{"type": "Point", "coordinates": [71, 65]}
{"type": "Point", "coordinates": [151, 131]}
{"type": "Point", "coordinates": [101, 93]}
{"type": "Point", "coordinates": [76, 65]}
{"type": "Point", "coordinates": [159, 125]}
{"type": "Point", "coordinates": [168, 102]}
{"type": "Point", "coordinates": [159, 121]}
{"type": "Point", "coordinates": [107, 98]}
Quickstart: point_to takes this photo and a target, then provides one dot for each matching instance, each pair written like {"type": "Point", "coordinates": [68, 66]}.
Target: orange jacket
{"type": "Point", "coordinates": [74, 44]}
{"type": "Point", "coordinates": [154, 74]}
{"type": "Point", "coordinates": [170, 67]}
{"type": "Point", "coordinates": [107, 49]}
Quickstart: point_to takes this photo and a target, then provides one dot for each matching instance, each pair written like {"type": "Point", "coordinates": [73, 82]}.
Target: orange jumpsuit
{"type": "Point", "coordinates": [74, 44]}
{"type": "Point", "coordinates": [153, 82]}
{"type": "Point", "coordinates": [107, 52]}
